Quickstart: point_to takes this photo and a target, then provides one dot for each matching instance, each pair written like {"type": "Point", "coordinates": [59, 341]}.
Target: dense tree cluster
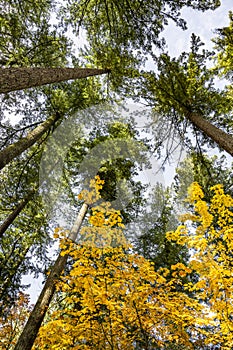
{"type": "Point", "coordinates": [127, 274]}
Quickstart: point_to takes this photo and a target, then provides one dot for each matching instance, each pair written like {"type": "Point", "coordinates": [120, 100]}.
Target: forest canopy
{"type": "Point", "coordinates": [94, 110]}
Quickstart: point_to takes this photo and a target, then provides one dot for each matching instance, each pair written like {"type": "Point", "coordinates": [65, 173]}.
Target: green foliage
{"type": "Point", "coordinates": [68, 98]}
{"type": "Point", "coordinates": [26, 35]}
{"type": "Point", "coordinates": [122, 34]}
{"type": "Point", "coordinates": [185, 87]}
{"type": "Point", "coordinates": [128, 24]}
{"type": "Point", "coordinates": [224, 45]}
{"type": "Point", "coordinates": [24, 246]}
{"type": "Point", "coordinates": [223, 64]}
{"type": "Point", "coordinates": [117, 169]}
{"type": "Point", "coordinates": [204, 170]}
{"type": "Point", "coordinates": [183, 84]}
{"type": "Point", "coordinates": [123, 65]}
{"type": "Point", "coordinates": [158, 217]}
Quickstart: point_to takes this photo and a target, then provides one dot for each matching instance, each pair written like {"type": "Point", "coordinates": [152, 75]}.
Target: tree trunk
{"type": "Point", "coordinates": [9, 220]}
{"type": "Point", "coordinates": [224, 140]}
{"type": "Point", "coordinates": [12, 79]}
{"type": "Point", "coordinates": [15, 149]}
{"type": "Point", "coordinates": [35, 320]}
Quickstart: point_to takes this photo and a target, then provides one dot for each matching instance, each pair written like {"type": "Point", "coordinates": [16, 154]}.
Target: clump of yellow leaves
{"type": "Point", "coordinates": [114, 300]}
{"type": "Point", "coordinates": [105, 222]}
{"type": "Point", "coordinates": [212, 245]}
{"type": "Point", "coordinates": [90, 197]}
{"type": "Point", "coordinates": [93, 194]}
{"type": "Point", "coordinates": [105, 227]}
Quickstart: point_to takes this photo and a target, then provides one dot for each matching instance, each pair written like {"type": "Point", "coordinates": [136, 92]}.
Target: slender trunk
{"type": "Point", "coordinates": [35, 320]}
{"type": "Point", "coordinates": [12, 79]}
{"type": "Point", "coordinates": [9, 220]}
{"type": "Point", "coordinates": [224, 140]}
{"type": "Point", "coordinates": [15, 149]}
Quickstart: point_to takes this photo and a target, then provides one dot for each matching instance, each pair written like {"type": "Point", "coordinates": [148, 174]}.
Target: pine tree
{"type": "Point", "coordinates": [183, 90]}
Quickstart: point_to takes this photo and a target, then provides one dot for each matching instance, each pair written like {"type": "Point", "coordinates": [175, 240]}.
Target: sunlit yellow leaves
{"type": "Point", "coordinates": [195, 193]}
{"type": "Point", "coordinates": [97, 219]}
{"type": "Point", "coordinates": [93, 194]}
{"type": "Point", "coordinates": [114, 299]}
{"type": "Point", "coordinates": [179, 235]}
{"type": "Point", "coordinates": [211, 242]}
{"type": "Point", "coordinates": [105, 216]}
{"type": "Point", "coordinates": [180, 269]}
{"type": "Point", "coordinates": [59, 232]}
{"type": "Point", "coordinates": [221, 206]}
{"type": "Point", "coordinates": [106, 227]}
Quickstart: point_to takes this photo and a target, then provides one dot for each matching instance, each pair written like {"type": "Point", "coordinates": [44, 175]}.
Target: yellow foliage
{"type": "Point", "coordinates": [93, 194]}
{"type": "Point", "coordinates": [212, 259]}
{"type": "Point", "coordinates": [106, 227]}
{"type": "Point", "coordinates": [114, 299]}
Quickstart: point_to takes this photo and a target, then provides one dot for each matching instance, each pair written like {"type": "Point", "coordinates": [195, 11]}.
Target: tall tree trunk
{"type": "Point", "coordinates": [224, 140]}
{"type": "Point", "coordinates": [12, 79]}
{"type": "Point", "coordinates": [35, 320]}
{"type": "Point", "coordinates": [15, 149]}
{"type": "Point", "coordinates": [9, 220]}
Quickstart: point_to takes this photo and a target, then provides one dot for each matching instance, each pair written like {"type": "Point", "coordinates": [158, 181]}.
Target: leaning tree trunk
{"type": "Point", "coordinates": [36, 318]}
{"type": "Point", "coordinates": [12, 79]}
{"type": "Point", "coordinates": [9, 220]}
{"type": "Point", "coordinates": [224, 140]}
{"type": "Point", "coordinates": [20, 78]}
{"type": "Point", "coordinates": [15, 149]}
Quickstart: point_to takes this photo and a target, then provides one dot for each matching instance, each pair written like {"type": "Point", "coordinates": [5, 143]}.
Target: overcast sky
{"type": "Point", "coordinates": [200, 23]}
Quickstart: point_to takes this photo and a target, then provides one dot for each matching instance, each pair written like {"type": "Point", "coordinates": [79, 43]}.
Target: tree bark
{"type": "Point", "coordinates": [9, 220]}
{"type": "Point", "coordinates": [15, 149]}
{"type": "Point", "coordinates": [36, 318]}
{"type": "Point", "coordinates": [12, 79]}
{"type": "Point", "coordinates": [224, 140]}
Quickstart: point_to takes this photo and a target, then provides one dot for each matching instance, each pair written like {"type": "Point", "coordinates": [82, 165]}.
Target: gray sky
{"type": "Point", "coordinates": [200, 23]}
